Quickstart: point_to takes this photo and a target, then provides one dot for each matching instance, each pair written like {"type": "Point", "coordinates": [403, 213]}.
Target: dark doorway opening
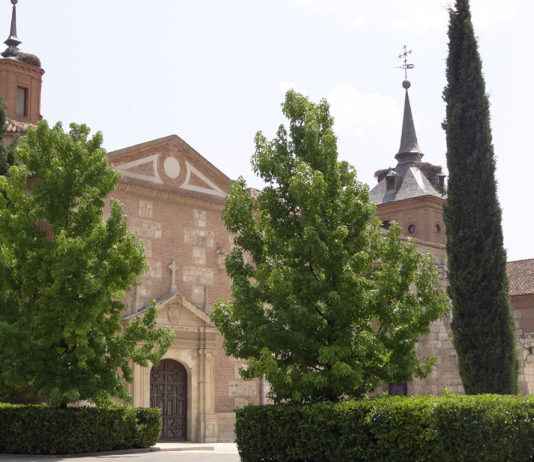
{"type": "Point", "coordinates": [168, 391]}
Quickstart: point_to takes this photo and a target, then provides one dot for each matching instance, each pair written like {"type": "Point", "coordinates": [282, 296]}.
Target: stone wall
{"type": "Point", "coordinates": [430, 237]}
{"type": "Point", "coordinates": [439, 342]}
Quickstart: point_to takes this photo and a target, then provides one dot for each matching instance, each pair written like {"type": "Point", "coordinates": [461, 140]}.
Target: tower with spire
{"type": "Point", "coordinates": [413, 195]}
{"type": "Point", "coordinates": [413, 192]}
{"type": "Point", "coordinates": [21, 78]}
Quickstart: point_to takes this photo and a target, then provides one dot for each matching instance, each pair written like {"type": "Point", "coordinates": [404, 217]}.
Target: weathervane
{"type": "Point", "coordinates": [406, 66]}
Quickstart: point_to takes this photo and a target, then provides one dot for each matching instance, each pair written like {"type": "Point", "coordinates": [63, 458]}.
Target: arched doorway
{"type": "Point", "coordinates": [168, 391]}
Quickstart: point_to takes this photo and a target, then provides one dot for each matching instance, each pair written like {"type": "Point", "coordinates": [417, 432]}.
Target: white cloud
{"type": "Point", "coordinates": [406, 15]}
{"type": "Point", "coordinates": [289, 85]}
{"type": "Point", "coordinates": [357, 112]}
{"type": "Point", "coordinates": [366, 123]}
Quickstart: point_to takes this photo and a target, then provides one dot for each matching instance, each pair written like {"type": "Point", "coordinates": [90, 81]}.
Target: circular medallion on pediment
{"type": "Point", "coordinates": [171, 166]}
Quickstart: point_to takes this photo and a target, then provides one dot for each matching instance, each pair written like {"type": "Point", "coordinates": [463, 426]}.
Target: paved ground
{"type": "Point", "coordinates": [169, 453]}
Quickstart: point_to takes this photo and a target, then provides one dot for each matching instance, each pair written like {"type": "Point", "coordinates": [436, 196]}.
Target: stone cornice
{"type": "Point", "coordinates": [525, 296]}
{"type": "Point", "coordinates": [28, 69]}
{"type": "Point", "coordinates": [169, 196]}
{"type": "Point", "coordinates": [185, 328]}
{"type": "Point", "coordinates": [434, 245]}
{"type": "Point", "coordinates": [413, 203]}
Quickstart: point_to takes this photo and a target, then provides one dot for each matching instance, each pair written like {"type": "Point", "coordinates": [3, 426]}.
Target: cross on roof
{"type": "Point", "coordinates": [174, 268]}
{"type": "Point", "coordinates": [405, 64]}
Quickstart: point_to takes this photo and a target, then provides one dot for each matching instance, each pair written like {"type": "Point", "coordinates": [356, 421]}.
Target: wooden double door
{"type": "Point", "coordinates": [168, 391]}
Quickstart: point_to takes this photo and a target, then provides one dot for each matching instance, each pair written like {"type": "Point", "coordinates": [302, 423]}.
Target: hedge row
{"type": "Point", "coordinates": [44, 430]}
{"type": "Point", "coordinates": [438, 429]}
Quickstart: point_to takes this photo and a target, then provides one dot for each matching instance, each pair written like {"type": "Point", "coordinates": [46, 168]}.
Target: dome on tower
{"type": "Point", "coordinates": [28, 58]}
{"type": "Point", "coordinates": [21, 91]}
{"type": "Point", "coordinates": [12, 51]}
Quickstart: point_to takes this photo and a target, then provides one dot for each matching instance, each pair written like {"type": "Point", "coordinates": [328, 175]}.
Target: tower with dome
{"type": "Point", "coordinates": [21, 78]}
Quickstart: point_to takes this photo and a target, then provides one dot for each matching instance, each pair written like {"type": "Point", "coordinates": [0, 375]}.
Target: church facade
{"type": "Point", "coordinates": [173, 198]}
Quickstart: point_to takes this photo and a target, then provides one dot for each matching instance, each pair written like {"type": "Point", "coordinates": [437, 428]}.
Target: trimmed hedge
{"type": "Point", "coordinates": [395, 429]}
{"type": "Point", "coordinates": [44, 430]}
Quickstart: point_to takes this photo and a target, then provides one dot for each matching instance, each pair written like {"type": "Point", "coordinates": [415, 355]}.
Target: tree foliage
{"type": "Point", "coordinates": [483, 325]}
{"type": "Point", "coordinates": [326, 305]}
{"type": "Point", "coordinates": [6, 152]}
{"type": "Point", "coordinates": [63, 273]}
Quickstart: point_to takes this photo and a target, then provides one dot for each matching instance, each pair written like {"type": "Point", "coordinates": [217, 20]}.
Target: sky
{"type": "Point", "coordinates": [215, 72]}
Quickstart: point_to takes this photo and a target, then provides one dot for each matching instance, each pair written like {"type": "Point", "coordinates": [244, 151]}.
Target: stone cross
{"type": "Point", "coordinates": [173, 269]}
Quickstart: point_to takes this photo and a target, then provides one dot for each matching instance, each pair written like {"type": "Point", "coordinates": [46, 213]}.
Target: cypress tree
{"type": "Point", "coordinates": [482, 321]}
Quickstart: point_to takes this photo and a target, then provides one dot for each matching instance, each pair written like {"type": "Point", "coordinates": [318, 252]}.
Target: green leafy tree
{"type": "Point", "coordinates": [483, 324]}
{"type": "Point", "coordinates": [3, 150]}
{"type": "Point", "coordinates": [20, 393]}
{"type": "Point", "coordinates": [6, 153]}
{"type": "Point", "coordinates": [63, 272]}
{"type": "Point", "coordinates": [326, 304]}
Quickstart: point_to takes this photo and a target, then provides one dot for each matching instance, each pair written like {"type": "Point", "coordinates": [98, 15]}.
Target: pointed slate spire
{"type": "Point", "coordinates": [409, 150]}
{"type": "Point", "coordinates": [12, 41]}
{"type": "Point", "coordinates": [410, 178]}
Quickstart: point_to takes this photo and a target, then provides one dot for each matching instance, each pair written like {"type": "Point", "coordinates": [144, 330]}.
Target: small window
{"type": "Point", "coordinates": [22, 102]}
{"type": "Point", "coordinates": [438, 228]}
{"type": "Point", "coordinates": [441, 183]}
{"type": "Point", "coordinates": [412, 229]}
{"type": "Point", "coordinates": [391, 180]}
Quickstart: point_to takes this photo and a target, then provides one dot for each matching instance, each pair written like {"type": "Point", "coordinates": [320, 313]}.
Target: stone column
{"type": "Point", "coordinates": [207, 416]}
{"type": "Point", "coordinates": [141, 386]}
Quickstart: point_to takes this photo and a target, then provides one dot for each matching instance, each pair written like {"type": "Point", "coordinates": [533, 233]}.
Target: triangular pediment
{"type": "Point", "coordinates": [144, 168]}
{"type": "Point", "coordinates": [176, 310]}
{"type": "Point", "coordinates": [179, 311]}
{"type": "Point", "coordinates": [170, 163]}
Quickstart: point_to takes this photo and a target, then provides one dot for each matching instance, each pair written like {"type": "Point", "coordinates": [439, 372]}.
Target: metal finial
{"type": "Point", "coordinates": [12, 41]}
{"type": "Point", "coordinates": [406, 66]}
{"type": "Point", "coordinates": [409, 150]}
